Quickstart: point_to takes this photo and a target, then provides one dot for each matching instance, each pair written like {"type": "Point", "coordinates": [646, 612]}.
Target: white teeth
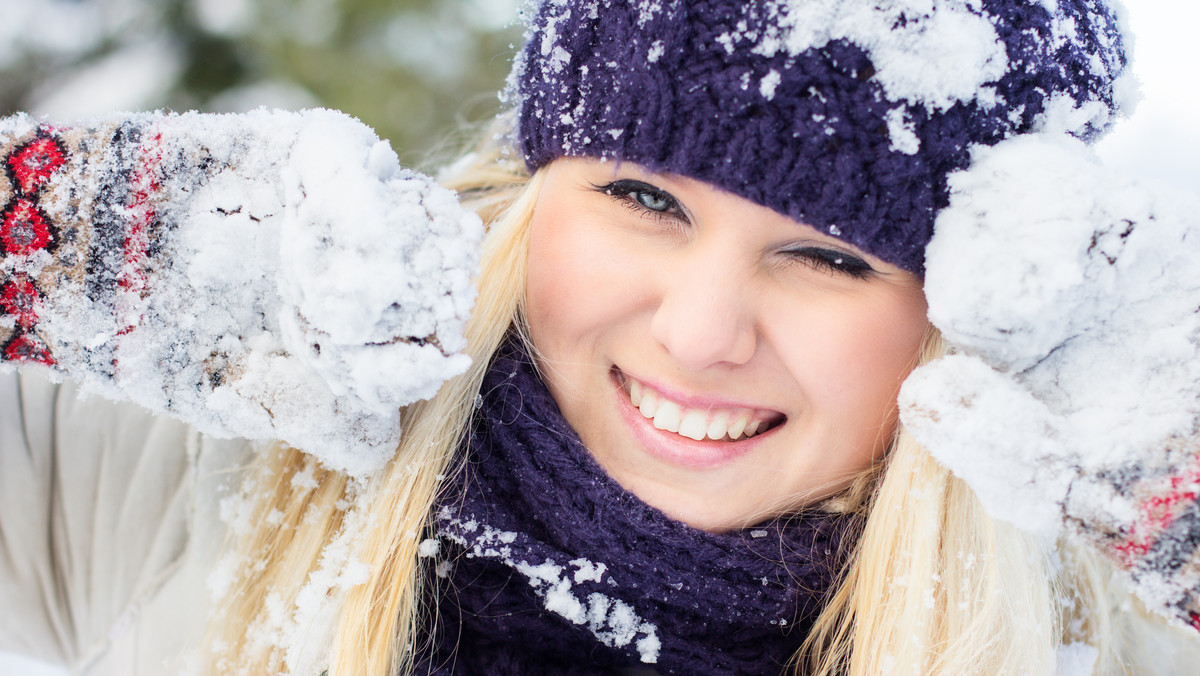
{"type": "Point", "coordinates": [737, 426]}
{"type": "Point", "coordinates": [667, 416]}
{"type": "Point", "coordinates": [698, 424]}
{"type": "Point", "coordinates": [649, 404]}
{"type": "Point", "coordinates": [718, 426]}
{"type": "Point", "coordinates": [694, 425]}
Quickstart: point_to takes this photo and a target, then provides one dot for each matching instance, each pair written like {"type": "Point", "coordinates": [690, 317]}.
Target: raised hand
{"type": "Point", "coordinates": [270, 275]}
{"type": "Point", "coordinates": [1070, 296]}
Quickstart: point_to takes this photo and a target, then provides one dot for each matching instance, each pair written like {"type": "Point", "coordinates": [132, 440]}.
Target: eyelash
{"type": "Point", "coordinates": [626, 191]}
{"type": "Point", "coordinates": [833, 261]}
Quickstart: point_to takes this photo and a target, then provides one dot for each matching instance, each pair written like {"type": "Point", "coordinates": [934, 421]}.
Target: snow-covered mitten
{"type": "Point", "coordinates": [270, 275]}
{"type": "Point", "coordinates": [1070, 296]}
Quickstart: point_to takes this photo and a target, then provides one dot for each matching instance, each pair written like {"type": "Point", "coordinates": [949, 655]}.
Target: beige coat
{"type": "Point", "coordinates": [108, 529]}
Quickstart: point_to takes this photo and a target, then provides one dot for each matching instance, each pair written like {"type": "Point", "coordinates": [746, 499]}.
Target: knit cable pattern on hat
{"type": "Point", "coordinates": [847, 116]}
{"type": "Point", "coordinates": [554, 568]}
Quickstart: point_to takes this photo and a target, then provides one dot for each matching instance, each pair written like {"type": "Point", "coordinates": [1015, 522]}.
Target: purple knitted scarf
{"type": "Point", "coordinates": [546, 565]}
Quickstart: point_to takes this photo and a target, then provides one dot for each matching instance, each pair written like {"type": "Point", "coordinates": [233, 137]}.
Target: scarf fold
{"type": "Point", "coordinates": [546, 565]}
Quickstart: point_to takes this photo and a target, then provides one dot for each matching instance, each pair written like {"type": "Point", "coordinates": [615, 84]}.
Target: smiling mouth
{"type": "Point", "coordinates": [712, 423]}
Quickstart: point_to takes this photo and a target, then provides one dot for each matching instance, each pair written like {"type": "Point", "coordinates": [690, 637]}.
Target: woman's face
{"type": "Point", "coordinates": [721, 361]}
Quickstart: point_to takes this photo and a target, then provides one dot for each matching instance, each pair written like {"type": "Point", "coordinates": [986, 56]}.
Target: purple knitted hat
{"type": "Point", "coordinates": [847, 115]}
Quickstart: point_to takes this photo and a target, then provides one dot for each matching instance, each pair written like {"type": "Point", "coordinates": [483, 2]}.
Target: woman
{"type": "Point", "coordinates": [676, 448]}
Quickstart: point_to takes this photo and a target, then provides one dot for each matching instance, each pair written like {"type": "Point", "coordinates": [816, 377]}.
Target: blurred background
{"type": "Point", "coordinates": [412, 69]}
{"type": "Point", "coordinates": [417, 69]}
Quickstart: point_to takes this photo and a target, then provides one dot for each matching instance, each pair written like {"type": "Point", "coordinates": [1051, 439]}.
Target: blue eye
{"type": "Point", "coordinates": [643, 197]}
{"type": "Point", "coordinates": [653, 200]}
{"type": "Point", "coordinates": [831, 261]}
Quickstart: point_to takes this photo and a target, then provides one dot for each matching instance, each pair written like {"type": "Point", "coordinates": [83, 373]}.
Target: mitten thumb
{"type": "Point", "coordinates": [1006, 444]}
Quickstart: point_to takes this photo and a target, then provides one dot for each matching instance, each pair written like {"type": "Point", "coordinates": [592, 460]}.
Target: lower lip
{"type": "Point", "coordinates": [677, 449]}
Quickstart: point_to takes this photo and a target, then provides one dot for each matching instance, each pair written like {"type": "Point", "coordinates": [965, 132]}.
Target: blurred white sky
{"type": "Point", "coordinates": [1162, 138]}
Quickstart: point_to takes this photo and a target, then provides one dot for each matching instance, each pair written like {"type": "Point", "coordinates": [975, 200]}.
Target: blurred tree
{"type": "Point", "coordinates": [412, 69]}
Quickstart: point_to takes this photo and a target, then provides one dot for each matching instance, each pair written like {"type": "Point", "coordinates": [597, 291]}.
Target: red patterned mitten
{"type": "Point", "coordinates": [271, 275]}
{"type": "Point", "coordinates": [1071, 296]}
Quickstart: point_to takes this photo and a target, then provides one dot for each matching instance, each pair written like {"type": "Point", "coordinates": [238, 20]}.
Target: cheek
{"type": "Point", "coordinates": [551, 283]}
{"type": "Point", "coordinates": [850, 357]}
{"type": "Point", "coordinates": [578, 280]}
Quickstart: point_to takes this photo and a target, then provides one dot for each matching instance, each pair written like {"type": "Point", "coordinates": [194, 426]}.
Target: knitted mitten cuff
{"type": "Point", "coordinates": [271, 275]}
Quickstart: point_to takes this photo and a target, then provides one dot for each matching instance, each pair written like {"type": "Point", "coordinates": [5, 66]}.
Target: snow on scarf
{"type": "Point", "coordinates": [551, 567]}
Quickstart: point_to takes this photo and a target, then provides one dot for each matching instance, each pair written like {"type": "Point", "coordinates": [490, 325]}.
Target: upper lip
{"type": "Point", "coordinates": [703, 402]}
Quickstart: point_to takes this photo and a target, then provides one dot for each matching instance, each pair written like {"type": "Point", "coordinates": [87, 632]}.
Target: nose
{"type": "Point", "coordinates": [705, 315]}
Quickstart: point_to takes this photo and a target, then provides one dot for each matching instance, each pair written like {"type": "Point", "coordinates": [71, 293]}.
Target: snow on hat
{"type": "Point", "coordinates": [845, 115]}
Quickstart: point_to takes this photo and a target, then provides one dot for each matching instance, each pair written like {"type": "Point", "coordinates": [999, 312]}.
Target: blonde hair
{"type": "Point", "coordinates": [934, 585]}
{"type": "Point", "coordinates": [938, 587]}
{"type": "Point", "coordinates": [300, 510]}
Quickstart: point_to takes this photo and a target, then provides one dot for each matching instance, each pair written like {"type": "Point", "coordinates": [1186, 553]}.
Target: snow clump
{"type": "Point", "coordinates": [1070, 297]}
{"type": "Point", "coordinates": [273, 275]}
